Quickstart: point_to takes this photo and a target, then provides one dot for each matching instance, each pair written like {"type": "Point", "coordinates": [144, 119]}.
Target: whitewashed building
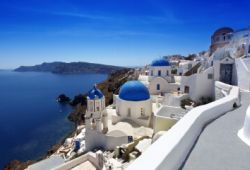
{"type": "Point", "coordinates": [133, 103]}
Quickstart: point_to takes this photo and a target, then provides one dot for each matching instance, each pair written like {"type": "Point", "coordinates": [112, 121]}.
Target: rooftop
{"type": "Point", "coordinates": [85, 165]}
{"type": "Point", "coordinates": [95, 93]}
{"type": "Point", "coordinates": [160, 62]}
{"type": "Point", "coordinates": [134, 91]}
{"type": "Point", "coordinates": [171, 112]}
{"type": "Point", "coordinates": [218, 146]}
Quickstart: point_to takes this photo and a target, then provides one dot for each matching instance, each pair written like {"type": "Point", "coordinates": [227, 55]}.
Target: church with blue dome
{"type": "Point", "coordinates": [95, 116]}
{"type": "Point", "coordinates": [95, 93]}
{"type": "Point", "coordinates": [134, 103]}
{"type": "Point", "coordinates": [134, 91]}
{"type": "Point", "coordinates": [160, 78]}
{"type": "Point", "coordinates": [160, 63]}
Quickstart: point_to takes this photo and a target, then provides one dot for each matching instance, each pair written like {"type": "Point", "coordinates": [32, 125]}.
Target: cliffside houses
{"type": "Point", "coordinates": [154, 110]}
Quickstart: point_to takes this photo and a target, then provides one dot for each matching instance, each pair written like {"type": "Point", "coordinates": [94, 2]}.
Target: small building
{"type": "Point", "coordinates": [239, 40]}
{"type": "Point", "coordinates": [96, 123]}
{"type": "Point", "coordinates": [220, 38]}
{"type": "Point", "coordinates": [224, 67]}
{"type": "Point", "coordinates": [160, 76]}
{"type": "Point", "coordinates": [133, 103]}
{"type": "Point", "coordinates": [96, 116]}
{"type": "Point", "coordinates": [160, 79]}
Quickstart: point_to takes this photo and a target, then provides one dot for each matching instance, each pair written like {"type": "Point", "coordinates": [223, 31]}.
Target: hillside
{"type": "Point", "coordinates": [69, 68]}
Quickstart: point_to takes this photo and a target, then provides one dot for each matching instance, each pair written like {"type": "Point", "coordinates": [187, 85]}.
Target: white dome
{"type": "Point", "coordinates": [244, 133]}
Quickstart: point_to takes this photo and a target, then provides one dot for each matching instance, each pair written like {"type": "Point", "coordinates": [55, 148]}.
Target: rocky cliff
{"type": "Point", "coordinates": [70, 68]}
{"type": "Point", "coordinates": [109, 87]}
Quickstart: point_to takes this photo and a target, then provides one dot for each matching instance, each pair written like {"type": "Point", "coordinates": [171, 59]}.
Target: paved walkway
{"type": "Point", "coordinates": [219, 147]}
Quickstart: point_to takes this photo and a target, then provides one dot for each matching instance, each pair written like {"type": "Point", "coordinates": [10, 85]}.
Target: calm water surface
{"type": "Point", "coordinates": [31, 120]}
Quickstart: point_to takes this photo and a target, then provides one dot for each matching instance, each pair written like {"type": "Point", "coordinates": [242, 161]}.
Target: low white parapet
{"type": "Point", "coordinates": [244, 132]}
{"type": "Point", "coordinates": [170, 151]}
{"type": "Point", "coordinates": [90, 156]}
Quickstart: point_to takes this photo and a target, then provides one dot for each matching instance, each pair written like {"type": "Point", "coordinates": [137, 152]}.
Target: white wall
{"type": "Point", "coordinates": [174, 100]}
{"type": "Point", "coordinates": [90, 156]}
{"type": "Point", "coordinates": [122, 107]}
{"type": "Point", "coordinates": [185, 66]}
{"type": "Point", "coordinates": [165, 87]}
{"type": "Point", "coordinates": [216, 65]}
{"type": "Point", "coordinates": [243, 74]}
{"type": "Point", "coordinates": [165, 70]}
{"type": "Point", "coordinates": [179, 140]}
{"type": "Point", "coordinates": [163, 123]}
{"type": "Point", "coordinates": [153, 85]}
{"type": "Point", "coordinates": [95, 139]}
{"type": "Point", "coordinates": [94, 105]}
{"type": "Point", "coordinates": [199, 84]}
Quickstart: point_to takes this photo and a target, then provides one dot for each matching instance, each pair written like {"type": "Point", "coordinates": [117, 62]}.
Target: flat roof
{"type": "Point", "coordinates": [218, 146]}
{"type": "Point", "coordinates": [85, 165]}
{"type": "Point", "coordinates": [49, 163]}
{"type": "Point", "coordinates": [171, 112]}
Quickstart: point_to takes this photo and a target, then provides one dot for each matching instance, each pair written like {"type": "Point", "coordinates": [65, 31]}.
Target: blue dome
{"type": "Point", "coordinates": [160, 62]}
{"type": "Point", "coordinates": [95, 93]}
{"type": "Point", "coordinates": [134, 91]}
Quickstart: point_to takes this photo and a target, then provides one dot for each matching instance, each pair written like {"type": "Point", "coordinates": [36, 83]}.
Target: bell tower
{"type": "Point", "coordinates": [96, 117]}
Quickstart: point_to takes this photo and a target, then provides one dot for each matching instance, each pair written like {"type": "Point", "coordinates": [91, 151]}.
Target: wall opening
{"type": "Point", "coordinates": [186, 89]}
{"type": "Point", "coordinates": [158, 87]}
{"type": "Point", "coordinates": [129, 112]}
{"type": "Point", "coordinates": [159, 72]}
{"type": "Point", "coordinates": [226, 71]}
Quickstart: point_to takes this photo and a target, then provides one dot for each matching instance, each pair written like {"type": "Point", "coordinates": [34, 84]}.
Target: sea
{"type": "Point", "coordinates": [31, 120]}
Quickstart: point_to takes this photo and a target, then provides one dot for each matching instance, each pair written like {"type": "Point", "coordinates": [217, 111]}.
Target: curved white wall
{"type": "Point", "coordinates": [135, 107]}
{"type": "Point", "coordinates": [173, 147]}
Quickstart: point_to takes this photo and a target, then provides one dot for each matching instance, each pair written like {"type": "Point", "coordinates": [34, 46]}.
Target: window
{"type": "Point", "coordinates": [152, 72]}
{"type": "Point", "coordinates": [129, 112]}
{"type": "Point", "coordinates": [97, 108]}
{"type": "Point", "coordinates": [142, 112]}
{"type": "Point", "coordinates": [158, 87]}
{"type": "Point", "coordinates": [167, 72]}
{"type": "Point", "coordinates": [159, 72]}
{"type": "Point", "coordinates": [186, 89]}
{"type": "Point", "coordinates": [249, 49]}
{"type": "Point", "coordinates": [210, 76]}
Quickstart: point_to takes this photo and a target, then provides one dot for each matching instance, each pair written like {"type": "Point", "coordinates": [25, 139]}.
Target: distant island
{"type": "Point", "coordinates": [70, 68]}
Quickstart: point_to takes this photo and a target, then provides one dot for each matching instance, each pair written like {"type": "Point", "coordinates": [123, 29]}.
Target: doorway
{"type": "Point", "coordinates": [226, 73]}
{"type": "Point", "coordinates": [186, 89]}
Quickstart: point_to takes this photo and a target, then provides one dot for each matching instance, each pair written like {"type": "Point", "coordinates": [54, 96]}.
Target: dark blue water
{"type": "Point", "coordinates": [31, 121]}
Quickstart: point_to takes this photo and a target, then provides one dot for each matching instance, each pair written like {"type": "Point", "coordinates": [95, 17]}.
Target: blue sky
{"type": "Point", "coordinates": [118, 32]}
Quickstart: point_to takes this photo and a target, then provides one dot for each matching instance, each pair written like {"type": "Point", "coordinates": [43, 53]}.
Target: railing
{"type": "Point", "coordinates": [170, 151]}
